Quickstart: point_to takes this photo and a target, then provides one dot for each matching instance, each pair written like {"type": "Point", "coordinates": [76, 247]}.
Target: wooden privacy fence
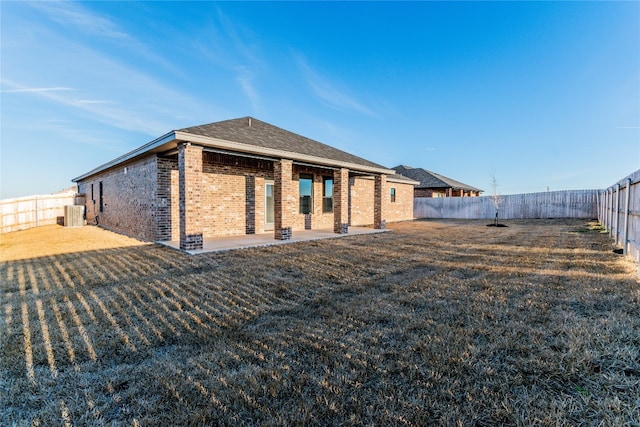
{"type": "Point", "coordinates": [619, 212]}
{"type": "Point", "coordinates": [33, 211]}
{"type": "Point", "coordinates": [551, 204]}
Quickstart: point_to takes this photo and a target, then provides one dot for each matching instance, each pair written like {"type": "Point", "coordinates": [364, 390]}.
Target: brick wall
{"type": "Point", "coordinates": [341, 201]}
{"type": "Point", "coordinates": [402, 208]}
{"type": "Point", "coordinates": [284, 199]}
{"type": "Point", "coordinates": [190, 196]}
{"type": "Point", "coordinates": [361, 199]}
{"type": "Point", "coordinates": [145, 201]}
{"type": "Point", "coordinates": [168, 209]}
{"type": "Point", "coordinates": [319, 219]}
{"type": "Point", "coordinates": [362, 207]}
{"type": "Point", "coordinates": [233, 195]}
{"type": "Point", "coordinates": [425, 192]}
{"type": "Point", "coordinates": [129, 198]}
{"type": "Point", "coordinates": [428, 192]}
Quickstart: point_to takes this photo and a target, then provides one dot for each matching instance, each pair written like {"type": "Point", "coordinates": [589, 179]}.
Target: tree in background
{"type": "Point", "coordinates": [496, 198]}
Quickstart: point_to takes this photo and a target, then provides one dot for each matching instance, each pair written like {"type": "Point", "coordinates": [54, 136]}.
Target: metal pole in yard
{"type": "Point", "coordinates": [626, 218]}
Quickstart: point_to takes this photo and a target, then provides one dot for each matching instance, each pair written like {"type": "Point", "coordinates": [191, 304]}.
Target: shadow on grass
{"type": "Point", "coordinates": [414, 326]}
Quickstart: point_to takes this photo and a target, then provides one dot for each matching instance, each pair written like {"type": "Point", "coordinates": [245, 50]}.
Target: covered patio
{"type": "Point", "coordinates": [226, 243]}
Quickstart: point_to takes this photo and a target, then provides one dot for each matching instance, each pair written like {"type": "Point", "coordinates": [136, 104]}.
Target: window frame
{"type": "Point", "coordinates": [301, 177]}
{"type": "Point", "coordinates": [327, 201]}
{"type": "Point", "coordinates": [392, 193]}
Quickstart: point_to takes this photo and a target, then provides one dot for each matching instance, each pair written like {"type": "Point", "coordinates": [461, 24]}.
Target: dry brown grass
{"type": "Point", "coordinates": [56, 240]}
{"type": "Point", "coordinates": [446, 322]}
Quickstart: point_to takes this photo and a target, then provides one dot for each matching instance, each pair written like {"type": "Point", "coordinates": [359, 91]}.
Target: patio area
{"type": "Point", "coordinates": [226, 243]}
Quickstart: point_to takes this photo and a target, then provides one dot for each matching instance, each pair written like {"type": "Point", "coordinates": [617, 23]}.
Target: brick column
{"type": "Point", "coordinates": [284, 199]}
{"type": "Point", "coordinates": [250, 204]}
{"type": "Point", "coordinates": [379, 202]}
{"type": "Point", "coordinates": [190, 184]}
{"type": "Point", "coordinates": [163, 199]}
{"type": "Point", "coordinates": [341, 201]}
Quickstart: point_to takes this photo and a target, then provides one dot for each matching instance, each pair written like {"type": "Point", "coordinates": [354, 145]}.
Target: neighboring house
{"type": "Point", "coordinates": [241, 176]}
{"type": "Point", "coordinates": [435, 185]}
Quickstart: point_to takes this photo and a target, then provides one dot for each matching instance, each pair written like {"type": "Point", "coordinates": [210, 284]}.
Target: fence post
{"type": "Point", "coordinates": [600, 207]}
{"type": "Point", "coordinates": [617, 220]}
{"type": "Point", "coordinates": [604, 209]}
{"type": "Point", "coordinates": [610, 211]}
{"type": "Point", "coordinates": [625, 250]}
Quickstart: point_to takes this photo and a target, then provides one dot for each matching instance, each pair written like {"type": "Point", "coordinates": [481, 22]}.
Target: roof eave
{"type": "Point", "coordinates": [163, 143]}
{"type": "Point", "coordinates": [170, 140]}
{"type": "Point", "coordinates": [403, 180]}
{"type": "Point", "coordinates": [270, 152]}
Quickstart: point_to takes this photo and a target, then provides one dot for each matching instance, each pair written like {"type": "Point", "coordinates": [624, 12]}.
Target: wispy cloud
{"type": "Point", "coordinates": [92, 101]}
{"type": "Point", "coordinates": [330, 93]}
{"type": "Point", "coordinates": [235, 49]}
{"type": "Point", "coordinates": [246, 81]}
{"type": "Point", "coordinates": [131, 113]}
{"type": "Point", "coordinates": [35, 89]}
{"type": "Point", "coordinates": [71, 14]}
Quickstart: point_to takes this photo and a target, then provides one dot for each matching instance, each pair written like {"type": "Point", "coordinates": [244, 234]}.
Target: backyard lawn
{"type": "Point", "coordinates": [438, 322]}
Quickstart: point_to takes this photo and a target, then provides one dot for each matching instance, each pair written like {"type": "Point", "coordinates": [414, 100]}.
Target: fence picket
{"type": "Point", "coordinates": [554, 204]}
{"type": "Point", "coordinates": [32, 211]}
{"type": "Point", "coordinates": [620, 214]}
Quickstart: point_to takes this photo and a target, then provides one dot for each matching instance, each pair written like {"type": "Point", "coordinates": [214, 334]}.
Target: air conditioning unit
{"type": "Point", "coordinates": [73, 216]}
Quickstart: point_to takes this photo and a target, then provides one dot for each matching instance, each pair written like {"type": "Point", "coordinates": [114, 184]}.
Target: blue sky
{"type": "Point", "coordinates": [541, 95]}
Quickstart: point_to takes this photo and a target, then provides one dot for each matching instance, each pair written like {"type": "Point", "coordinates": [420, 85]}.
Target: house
{"type": "Point", "coordinates": [240, 176]}
{"type": "Point", "coordinates": [436, 185]}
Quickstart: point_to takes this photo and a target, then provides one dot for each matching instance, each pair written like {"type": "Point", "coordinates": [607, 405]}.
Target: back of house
{"type": "Point", "coordinates": [241, 176]}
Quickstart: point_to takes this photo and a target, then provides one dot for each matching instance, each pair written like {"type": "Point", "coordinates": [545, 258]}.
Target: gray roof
{"type": "Point", "coordinates": [250, 136]}
{"type": "Point", "coordinates": [430, 179]}
{"type": "Point", "coordinates": [251, 131]}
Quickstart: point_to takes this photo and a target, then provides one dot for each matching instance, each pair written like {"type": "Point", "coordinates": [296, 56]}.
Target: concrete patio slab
{"type": "Point", "coordinates": [227, 243]}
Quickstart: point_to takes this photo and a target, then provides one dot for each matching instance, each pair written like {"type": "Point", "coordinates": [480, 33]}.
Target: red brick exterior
{"type": "Point", "coordinates": [190, 196]}
{"type": "Point", "coordinates": [168, 209]}
{"type": "Point", "coordinates": [379, 202]}
{"type": "Point", "coordinates": [234, 195]}
{"type": "Point", "coordinates": [444, 192]}
{"type": "Point", "coordinates": [341, 201]}
{"type": "Point", "coordinates": [128, 198]}
{"type": "Point", "coordinates": [402, 208]}
{"type": "Point", "coordinates": [209, 194]}
{"type": "Point", "coordinates": [284, 199]}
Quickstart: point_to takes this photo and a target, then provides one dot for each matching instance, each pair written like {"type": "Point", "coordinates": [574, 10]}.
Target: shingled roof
{"type": "Point", "coordinates": [253, 137]}
{"type": "Point", "coordinates": [253, 132]}
{"type": "Point", "coordinates": [430, 179]}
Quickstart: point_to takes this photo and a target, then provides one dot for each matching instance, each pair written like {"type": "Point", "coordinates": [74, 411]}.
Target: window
{"type": "Point", "coordinates": [393, 195]}
{"type": "Point", "coordinates": [100, 195]}
{"type": "Point", "coordinates": [269, 204]}
{"type": "Point", "coordinates": [306, 193]}
{"type": "Point", "coordinates": [93, 199]}
{"type": "Point", "coordinates": [327, 194]}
